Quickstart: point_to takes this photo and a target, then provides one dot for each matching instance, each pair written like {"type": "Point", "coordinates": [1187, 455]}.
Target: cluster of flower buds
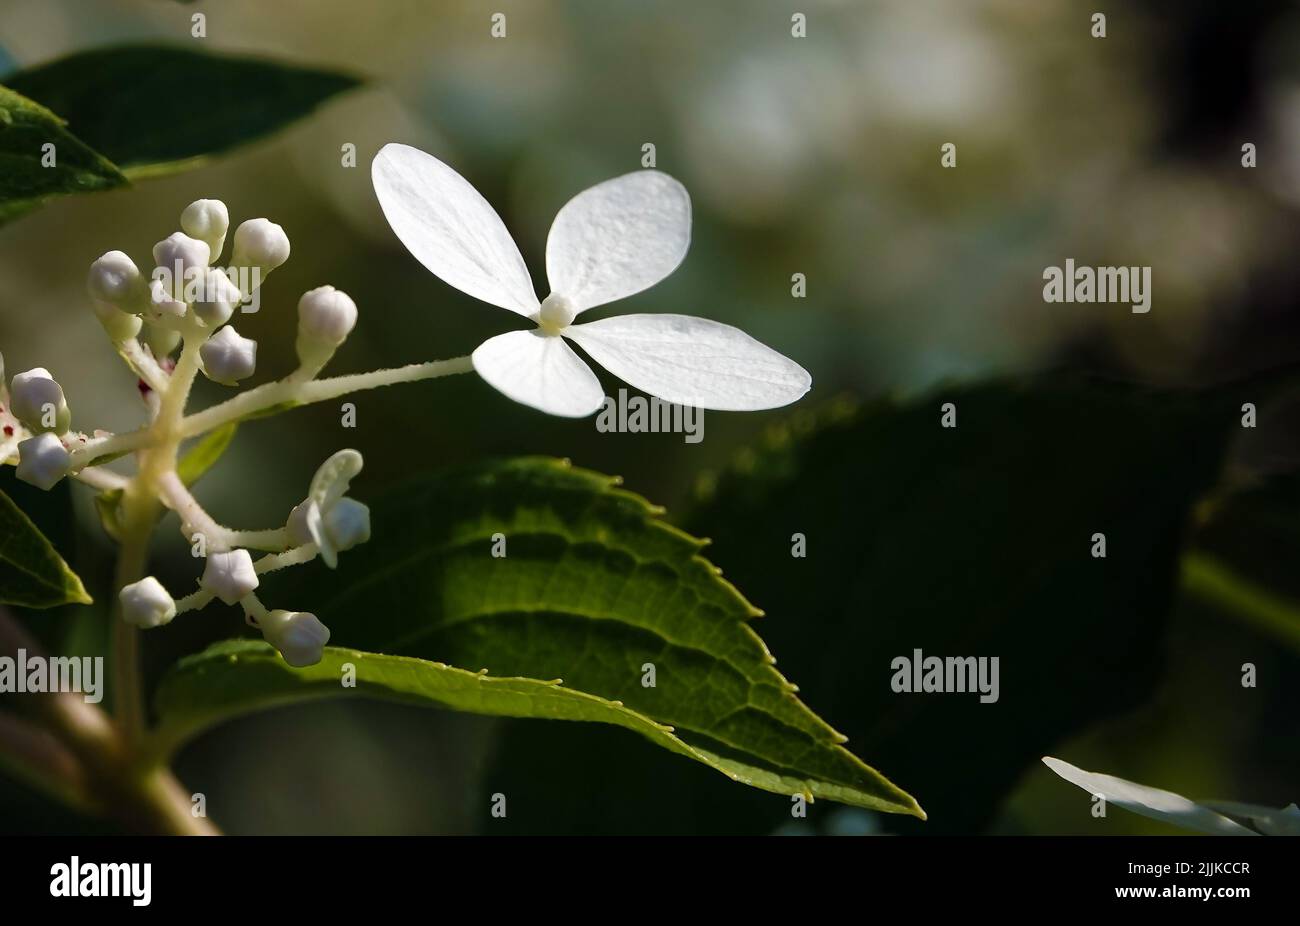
{"type": "Point", "coordinates": [186, 291]}
{"type": "Point", "coordinates": [36, 423]}
{"type": "Point", "coordinates": [189, 298]}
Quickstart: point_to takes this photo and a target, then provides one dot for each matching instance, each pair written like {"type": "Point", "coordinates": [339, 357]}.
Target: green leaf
{"type": "Point", "coordinates": [108, 505]}
{"type": "Point", "coordinates": [236, 677]}
{"type": "Point", "coordinates": [25, 128]}
{"type": "Point", "coordinates": [32, 574]}
{"type": "Point", "coordinates": [124, 100]}
{"type": "Point", "coordinates": [593, 588]}
{"type": "Point", "coordinates": [973, 541]}
{"type": "Point", "coordinates": [205, 451]}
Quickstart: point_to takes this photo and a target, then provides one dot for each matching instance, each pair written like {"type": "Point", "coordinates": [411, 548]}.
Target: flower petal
{"type": "Point", "coordinates": [618, 238]}
{"type": "Point", "coordinates": [1149, 802]}
{"type": "Point", "coordinates": [450, 228]}
{"type": "Point", "coordinates": [1271, 821]}
{"type": "Point", "coordinates": [540, 371]}
{"type": "Point", "coordinates": [692, 361]}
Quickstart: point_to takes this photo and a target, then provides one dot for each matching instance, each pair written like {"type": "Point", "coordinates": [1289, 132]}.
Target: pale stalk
{"type": "Point", "coordinates": [321, 390]}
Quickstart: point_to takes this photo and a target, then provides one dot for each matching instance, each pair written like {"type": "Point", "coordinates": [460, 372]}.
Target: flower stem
{"type": "Point", "coordinates": [320, 390]}
{"type": "Point", "coordinates": [1212, 581]}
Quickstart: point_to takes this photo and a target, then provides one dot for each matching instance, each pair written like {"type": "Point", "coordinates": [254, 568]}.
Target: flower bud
{"type": "Point", "coordinates": [114, 279]}
{"type": "Point", "coordinates": [259, 243]}
{"type": "Point", "coordinates": [181, 256]}
{"type": "Point", "coordinates": [347, 524]}
{"type": "Point", "coordinates": [229, 576]}
{"type": "Point", "coordinates": [37, 401]}
{"type": "Point", "coordinates": [146, 603]}
{"type": "Point", "coordinates": [326, 315]}
{"type": "Point", "coordinates": [163, 306]}
{"type": "Point", "coordinates": [228, 357]}
{"type": "Point", "coordinates": [298, 635]}
{"type": "Point", "coordinates": [42, 461]}
{"type": "Point", "coordinates": [162, 341]}
{"type": "Point", "coordinates": [118, 325]}
{"type": "Point", "coordinates": [207, 220]}
{"type": "Point", "coordinates": [216, 300]}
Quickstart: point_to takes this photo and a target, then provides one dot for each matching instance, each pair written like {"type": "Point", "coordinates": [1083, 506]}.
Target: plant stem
{"type": "Point", "coordinates": [1212, 581]}
{"type": "Point", "coordinates": [140, 512]}
{"type": "Point", "coordinates": [320, 390]}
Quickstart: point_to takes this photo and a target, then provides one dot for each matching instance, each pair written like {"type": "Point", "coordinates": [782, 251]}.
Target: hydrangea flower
{"type": "Point", "coordinates": [609, 242]}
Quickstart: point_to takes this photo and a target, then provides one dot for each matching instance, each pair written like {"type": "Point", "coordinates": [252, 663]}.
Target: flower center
{"type": "Point", "coordinates": [557, 313]}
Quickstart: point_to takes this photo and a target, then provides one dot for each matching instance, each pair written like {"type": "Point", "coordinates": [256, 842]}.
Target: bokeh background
{"type": "Point", "coordinates": [817, 156]}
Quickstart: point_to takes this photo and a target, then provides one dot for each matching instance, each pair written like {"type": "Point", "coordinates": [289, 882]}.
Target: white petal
{"type": "Point", "coordinates": [1149, 802]}
{"type": "Point", "coordinates": [618, 238]}
{"type": "Point", "coordinates": [450, 228]}
{"type": "Point", "coordinates": [1271, 821]}
{"type": "Point", "coordinates": [693, 361]}
{"type": "Point", "coordinates": [540, 371]}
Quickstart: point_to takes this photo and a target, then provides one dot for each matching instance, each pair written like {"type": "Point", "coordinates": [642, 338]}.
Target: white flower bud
{"type": "Point", "coordinates": [326, 315]}
{"type": "Point", "coordinates": [229, 576]}
{"type": "Point", "coordinates": [259, 243]}
{"type": "Point", "coordinates": [146, 603]}
{"type": "Point", "coordinates": [347, 524]}
{"type": "Point", "coordinates": [228, 357]}
{"type": "Point", "coordinates": [207, 220]}
{"type": "Point", "coordinates": [114, 279]}
{"type": "Point", "coordinates": [37, 401]}
{"type": "Point", "coordinates": [163, 307]}
{"type": "Point", "coordinates": [298, 635]}
{"type": "Point", "coordinates": [42, 461]}
{"type": "Point", "coordinates": [217, 298]}
{"type": "Point", "coordinates": [178, 253]}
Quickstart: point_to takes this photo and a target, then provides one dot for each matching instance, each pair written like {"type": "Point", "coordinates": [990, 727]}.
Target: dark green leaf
{"type": "Point", "coordinates": [972, 541]}
{"type": "Point", "coordinates": [593, 588]}
{"type": "Point", "coordinates": [25, 128]}
{"type": "Point", "coordinates": [159, 108]}
{"type": "Point", "coordinates": [240, 676]}
{"type": "Point", "coordinates": [32, 573]}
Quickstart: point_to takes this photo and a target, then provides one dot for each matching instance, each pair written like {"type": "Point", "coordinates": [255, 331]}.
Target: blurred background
{"type": "Point", "coordinates": [817, 156]}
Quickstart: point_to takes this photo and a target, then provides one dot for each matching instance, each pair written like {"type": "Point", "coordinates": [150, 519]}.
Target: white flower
{"type": "Point", "coordinates": [42, 461]}
{"type": "Point", "coordinates": [228, 357]}
{"type": "Point", "coordinates": [146, 603]}
{"type": "Point", "coordinates": [611, 241]}
{"type": "Point", "coordinates": [34, 396]}
{"type": "Point", "coordinates": [298, 635]}
{"type": "Point", "coordinates": [325, 517]}
{"type": "Point", "coordinates": [207, 220]}
{"type": "Point", "coordinates": [347, 524]}
{"type": "Point", "coordinates": [229, 576]}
